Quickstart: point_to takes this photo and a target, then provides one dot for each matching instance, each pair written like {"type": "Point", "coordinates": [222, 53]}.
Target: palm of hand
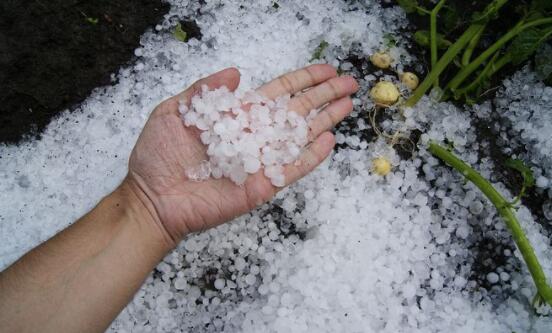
{"type": "Point", "coordinates": [166, 149]}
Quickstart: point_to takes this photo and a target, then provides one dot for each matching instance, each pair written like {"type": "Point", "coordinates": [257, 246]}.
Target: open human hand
{"type": "Point", "coordinates": [166, 148]}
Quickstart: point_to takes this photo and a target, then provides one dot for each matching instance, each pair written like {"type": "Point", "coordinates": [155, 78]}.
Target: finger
{"type": "Point", "coordinates": [315, 153]}
{"type": "Point", "coordinates": [298, 80]}
{"type": "Point", "coordinates": [330, 116]}
{"type": "Point", "coordinates": [229, 77]}
{"type": "Point", "coordinates": [323, 93]}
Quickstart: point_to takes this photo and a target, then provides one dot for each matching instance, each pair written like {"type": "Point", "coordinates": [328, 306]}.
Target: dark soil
{"type": "Point", "coordinates": [54, 52]}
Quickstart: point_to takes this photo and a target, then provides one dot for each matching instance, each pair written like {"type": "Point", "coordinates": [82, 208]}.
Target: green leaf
{"type": "Point", "coordinates": [449, 18]}
{"type": "Point", "coordinates": [319, 49]}
{"type": "Point", "coordinates": [490, 12]}
{"type": "Point", "coordinates": [92, 20]}
{"type": "Point", "coordinates": [409, 6]}
{"type": "Point", "coordinates": [525, 44]}
{"type": "Point", "coordinates": [526, 172]}
{"type": "Point", "coordinates": [180, 34]}
{"type": "Point", "coordinates": [542, 6]}
{"type": "Point", "coordinates": [421, 11]}
{"type": "Point", "coordinates": [543, 62]}
{"type": "Point", "coordinates": [389, 40]}
{"type": "Point", "coordinates": [421, 37]}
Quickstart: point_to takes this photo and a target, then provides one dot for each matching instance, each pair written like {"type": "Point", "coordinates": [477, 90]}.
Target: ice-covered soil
{"type": "Point", "coordinates": [343, 250]}
{"type": "Point", "coordinates": [523, 105]}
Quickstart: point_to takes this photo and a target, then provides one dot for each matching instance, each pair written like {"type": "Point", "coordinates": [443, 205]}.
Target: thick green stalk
{"type": "Point", "coordinates": [422, 10]}
{"type": "Point", "coordinates": [490, 69]}
{"type": "Point", "coordinates": [433, 36]}
{"type": "Point", "coordinates": [471, 47]}
{"type": "Point", "coordinates": [452, 51]}
{"type": "Point", "coordinates": [506, 212]}
{"type": "Point", "coordinates": [468, 70]}
{"type": "Point", "coordinates": [440, 66]}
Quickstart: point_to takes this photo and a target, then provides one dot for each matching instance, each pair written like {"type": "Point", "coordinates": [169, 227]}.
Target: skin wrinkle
{"type": "Point", "coordinates": [306, 102]}
{"type": "Point", "coordinates": [334, 88]}
{"type": "Point", "coordinates": [155, 216]}
{"type": "Point", "coordinates": [204, 200]}
{"type": "Point", "coordinates": [286, 83]}
{"type": "Point", "coordinates": [312, 78]}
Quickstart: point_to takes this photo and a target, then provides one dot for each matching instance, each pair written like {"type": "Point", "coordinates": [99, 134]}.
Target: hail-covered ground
{"type": "Point", "coordinates": [343, 250]}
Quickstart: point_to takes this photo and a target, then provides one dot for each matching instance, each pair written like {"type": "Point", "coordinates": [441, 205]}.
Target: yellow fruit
{"type": "Point", "coordinates": [410, 80]}
{"type": "Point", "coordinates": [381, 166]}
{"type": "Point", "coordinates": [384, 93]}
{"type": "Point", "coordinates": [381, 60]}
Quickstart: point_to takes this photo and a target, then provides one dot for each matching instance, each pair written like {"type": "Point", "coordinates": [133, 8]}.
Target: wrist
{"type": "Point", "coordinates": [141, 211]}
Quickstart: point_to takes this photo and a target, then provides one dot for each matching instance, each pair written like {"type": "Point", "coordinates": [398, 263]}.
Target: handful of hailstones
{"type": "Point", "coordinates": [241, 142]}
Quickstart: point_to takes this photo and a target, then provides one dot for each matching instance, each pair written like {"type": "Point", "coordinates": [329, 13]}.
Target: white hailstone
{"type": "Point", "coordinates": [199, 172]}
{"type": "Point", "coordinates": [251, 165]}
{"type": "Point", "coordinates": [180, 283]}
{"type": "Point", "coordinates": [219, 284]}
{"type": "Point", "coordinates": [243, 142]}
{"type": "Point", "coordinates": [476, 207]}
{"type": "Point", "coordinates": [250, 279]}
{"type": "Point", "coordinates": [278, 180]}
{"type": "Point", "coordinates": [218, 128]}
{"type": "Point", "coordinates": [492, 277]}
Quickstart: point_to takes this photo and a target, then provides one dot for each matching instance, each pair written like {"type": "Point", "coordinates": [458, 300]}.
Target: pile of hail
{"type": "Point", "coordinates": [244, 134]}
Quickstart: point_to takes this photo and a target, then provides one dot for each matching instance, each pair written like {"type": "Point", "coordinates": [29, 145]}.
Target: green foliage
{"type": "Point", "coordinates": [543, 6]}
{"type": "Point", "coordinates": [422, 38]}
{"type": "Point", "coordinates": [489, 13]}
{"type": "Point", "coordinates": [525, 44]}
{"type": "Point", "coordinates": [389, 40]}
{"type": "Point", "coordinates": [449, 18]}
{"type": "Point", "coordinates": [319, 49]}
{"type": "Point", "coordinates": [543, 63]}
{"type": "Point", "coordinates": [409, 6]}
{"type": "Point", "coordinates": [520, 41]}
{"type": "Point", "coordinates": [524, 170]}
{"type": "Point", "coordinates": [180, 34]}
{"type": "Point", "coordinates": [92, 20]}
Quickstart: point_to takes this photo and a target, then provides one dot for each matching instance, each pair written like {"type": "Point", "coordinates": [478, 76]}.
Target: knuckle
{"type": "Point", "coordinates": [328, 118]}
{"type": "Point", "coordinates": [307, 102]}
{"type": "Point", "coordinates": [286, 82]}
{"type": "Point", "coordinates": [311, 77]}
{"type": "Point", "coordinates": [334, 88]}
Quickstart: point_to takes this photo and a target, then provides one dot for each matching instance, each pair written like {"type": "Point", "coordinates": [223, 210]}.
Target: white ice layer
{"type": "Point", "coordinates": [342, 250]}
{"type": "Point", "coordinates": [523, 103]}
{"type": "Point", "coordinates": [245, 134]}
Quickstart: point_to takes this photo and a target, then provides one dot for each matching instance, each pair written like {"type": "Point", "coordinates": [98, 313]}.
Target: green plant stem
{"type": "Point", "coordinates": [440, 66]}
{"type": "Point", "coordinates": [471, 47]}
{"type": "Point", "coordinates": [433, 36]}
{"type": "Point", "coordinates": [506, 212]}
{"type": "Point", "coordinates": [492, 67]}
{"type": "Point", "coordinates": [422, 10]}
{"type": "Point", "coordinates": [489, 70]}
{"type": "Point", "coordinates": [469, 69]}
{"type": "Point", "coordinates": [451, 53]}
